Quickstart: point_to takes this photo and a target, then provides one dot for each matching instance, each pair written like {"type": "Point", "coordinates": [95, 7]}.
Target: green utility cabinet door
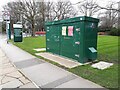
{"type": "Point", "coordinates": [17, 33]}
{"type": "Point", "coordinates": [53, 39]}
{"type": "Point", "coordinates": [70, 40]}
{"type": "Point", "coordinates": [91, 39]}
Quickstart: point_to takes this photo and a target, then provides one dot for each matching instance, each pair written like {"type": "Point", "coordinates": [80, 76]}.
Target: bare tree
{"type": "Point", "coordinates": [23, 9]}
{"type": "Point", "coordinates": [109, 8]}
{"type": "Point", "coordinates": [119, 15]}
{"type": "Point", "coordinates": [48, 11]}
{"type": "Point", "coordinates": [110, 17]}
{"type": "Point", "coordinates": [13, 9]}
{"type": "Point", "coordinates": [88, 7]}
{"type": "Point", "coordinates": [30, 11]}
{"type": "Point", "coordinates": [42, 9]}
{"type": "Point", "coordinates": [63, 9]}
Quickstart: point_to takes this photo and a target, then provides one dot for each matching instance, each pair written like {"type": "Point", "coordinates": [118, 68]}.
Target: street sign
{"type": "Point", "coordinates": [6, 16]}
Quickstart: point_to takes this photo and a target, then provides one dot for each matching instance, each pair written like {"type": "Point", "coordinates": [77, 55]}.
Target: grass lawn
{"type": "Point", "coordinates": [107, 51]}
{"type": "Point", "coordinates": [108, 48]}
{"type": "Point", "coordinates": [30, 43]}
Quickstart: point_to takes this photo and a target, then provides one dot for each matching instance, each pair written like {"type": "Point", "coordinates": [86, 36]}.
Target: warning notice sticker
{"type": "Point", "coordinates": [70, 31]}
{"type": "Point", "coordinates": [64, 30]}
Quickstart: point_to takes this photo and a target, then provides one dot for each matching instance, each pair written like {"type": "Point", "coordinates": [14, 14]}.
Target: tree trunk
{"type": "Point", "coordinates": [33, 29]}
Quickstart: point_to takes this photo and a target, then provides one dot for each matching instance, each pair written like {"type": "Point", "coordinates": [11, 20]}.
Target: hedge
{"type": "Point", "coordinates": [114, 32]}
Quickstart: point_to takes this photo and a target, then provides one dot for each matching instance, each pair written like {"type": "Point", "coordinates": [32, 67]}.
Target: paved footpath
{"type": "Point", "coordinates": [10, 76]}
{"type": "Point", "coordinates": [43, 74]}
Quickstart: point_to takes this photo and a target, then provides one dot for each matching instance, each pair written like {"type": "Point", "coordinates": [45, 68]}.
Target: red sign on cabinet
{"type": "Point", "coordinates": [70, 30]}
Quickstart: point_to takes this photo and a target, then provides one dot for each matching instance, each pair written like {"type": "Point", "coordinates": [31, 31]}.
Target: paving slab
{"type": "Point", "coordinates": [1, 77]}
{"type": "Point", "coordinates": [6, 79]}
{"type": "Point", "coordinates": [102, 65]}
{"type": "Point", "coordinates": [15, 54]}
{"type": "Point", "coordinates": [28, 63]}
{"type": "Point", "coordinates": [8, 70]}
{"type": "Point", "coordinates": [61, 60]}
{"type": "Point", "coordinates": [44, 73]}
{"type": "Point", "coordinates": [1, 54]}
{"type": "Point", "coordinates": [1, 61]}
{"type": "Point", "coordinates": [0, 87]}
{"type": "Point", "coordinates": [0, 71]}
{"type": "Point", "coordinates": [5, 60]}
{"type": "Point", "coordinates": [15, 74]}
{"type": "Point", "coordinates": [59, 81]}
{"type": "Point", "coordinates": [24, 80]}
{"type": "Point", "coordinates": [6, 65]}
{"type": "Point", "coordinates": [13, 84]}
{"type": "Point", "coordinates": [40, 49]}
{"type": "Point", "coordinates": [29, 85]}
{"type": "Point", "coordinates": [10, 76]}
{"type": "Point", "coordinates": [79, 83]}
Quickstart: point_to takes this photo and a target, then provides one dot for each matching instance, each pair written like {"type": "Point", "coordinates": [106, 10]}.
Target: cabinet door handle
{"type": "Point", "coordinates": [77, 42]}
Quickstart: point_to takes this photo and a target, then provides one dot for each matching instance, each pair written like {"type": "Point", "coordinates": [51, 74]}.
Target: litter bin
{"type": "Point", "coordinates": [18, 37]}
{"type": "Point", "coordinates": [75, 38]}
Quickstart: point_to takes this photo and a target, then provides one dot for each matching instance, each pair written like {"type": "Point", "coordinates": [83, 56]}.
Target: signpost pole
{"type": "Point", "coordinates": [7, 21]}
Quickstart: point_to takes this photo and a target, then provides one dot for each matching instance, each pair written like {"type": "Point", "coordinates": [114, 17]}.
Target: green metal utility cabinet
{"type": "Point", "coordinates": [8, 30]}
{"type": "Point", "coordinates": [75, 38]}
{"type": "Point", "coordinates": [18, 37]}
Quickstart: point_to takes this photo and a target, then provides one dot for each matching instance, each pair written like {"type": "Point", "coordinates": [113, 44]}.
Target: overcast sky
{"type": "Point", "coordinates": [100, 2]}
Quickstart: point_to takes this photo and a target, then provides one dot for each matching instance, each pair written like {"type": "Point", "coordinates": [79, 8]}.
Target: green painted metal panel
{"type": "Point", "coordinates": [18, 35]}
{"type": "Point", "coordinates": [71, 41]}
{"type": "Point", "coordinates": [74, 38]}
{"type": "Point", "coordinates": [9, 31]}
{"type": "Point", "coordinates": [91, 39]}
{"type": "Point", "coordinates": [53, 39]}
